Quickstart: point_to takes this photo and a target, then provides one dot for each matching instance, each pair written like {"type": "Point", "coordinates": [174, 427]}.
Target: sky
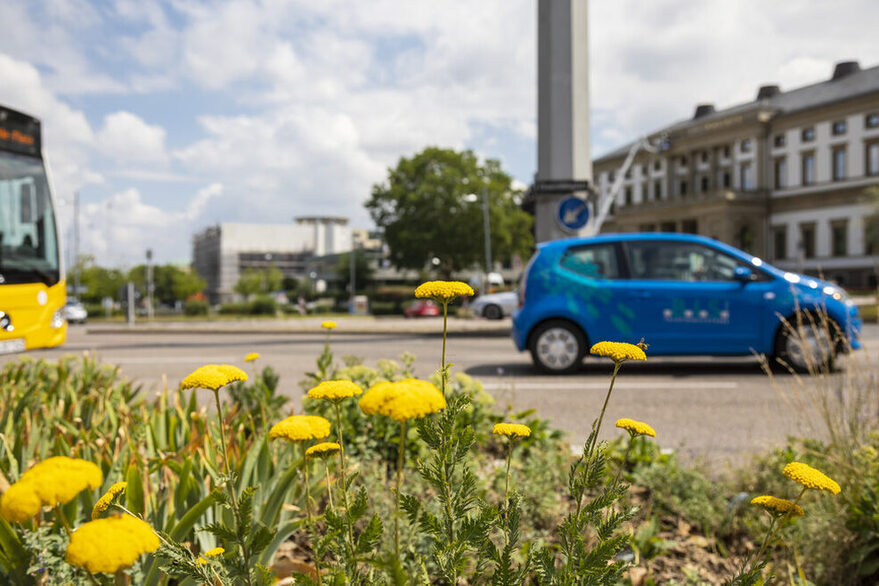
{"type": "Point", "coordinates": [169, 116]}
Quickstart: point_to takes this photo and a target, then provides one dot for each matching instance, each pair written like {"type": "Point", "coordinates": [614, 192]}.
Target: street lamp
{"type": "Point", "coordinates": [486, 231]}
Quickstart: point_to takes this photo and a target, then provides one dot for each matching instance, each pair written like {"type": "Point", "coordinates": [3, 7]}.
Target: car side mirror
{"type": "Point", "coordinates": [743, 274]}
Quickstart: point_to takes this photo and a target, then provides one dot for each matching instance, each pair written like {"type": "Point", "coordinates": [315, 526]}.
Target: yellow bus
{"type": "Point", "coordinates": [32, 288]}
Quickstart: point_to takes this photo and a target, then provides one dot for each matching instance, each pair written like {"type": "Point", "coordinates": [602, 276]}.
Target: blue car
{"type": "Point", "coordinates": [684, 294]}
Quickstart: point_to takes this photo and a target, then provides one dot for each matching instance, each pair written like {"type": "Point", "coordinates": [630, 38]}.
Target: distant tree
{"type": "Point", "coordinates": [259, 281]}
{"type": "Point", "coordinates": [170, 283]}
{"type": "Point", "coordinates": [99, 282]}
{"type": "Point", "coordinates": [362, 270]}
{"type": "Point", "coordinates": [426, 211]}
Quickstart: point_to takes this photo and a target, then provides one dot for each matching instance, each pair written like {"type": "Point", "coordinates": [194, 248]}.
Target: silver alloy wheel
{"type": "Point", "coordinates": [809, 347]}
{"type": "Point", "coordinates": [557, 348]}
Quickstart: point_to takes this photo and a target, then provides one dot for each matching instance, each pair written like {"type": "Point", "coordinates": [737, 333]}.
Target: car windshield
{"type": "Point", "coordinates": [28, 240]}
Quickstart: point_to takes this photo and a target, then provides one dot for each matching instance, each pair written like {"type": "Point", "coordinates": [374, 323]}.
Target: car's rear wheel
{"type": "Point", "coordinates": [492, 312]}
{"type": "Point", "coordinates": [807, 343]}
{"type": "Point", "coordinates": [557, 347]}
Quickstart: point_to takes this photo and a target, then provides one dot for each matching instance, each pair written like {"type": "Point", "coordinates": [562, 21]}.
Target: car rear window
{"type": "Point", "coordinates": [595, 261]}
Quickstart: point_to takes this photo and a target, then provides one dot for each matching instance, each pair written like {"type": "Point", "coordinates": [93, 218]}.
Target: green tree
{"type": "Point", "coordinates": [259, 281]}
{"type": "Point", "coordinates": [99, 282]}
{"type": "Point", "coordinates": [171, 283]}
{"type": "Point", "coordinates": [362, 270]}
{"type": "Point", "coordinates": [425, 211]}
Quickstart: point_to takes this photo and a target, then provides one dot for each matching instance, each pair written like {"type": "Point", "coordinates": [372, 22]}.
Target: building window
{"type": "Point", "coordinates": [683, 188]}
{"type": "Point", "coordinates": [839, 237]}
{"type": "Point", "coordinates": [779, 241]}
{"type": "Point", "coordinates": [780, 167]}
{"type": "Point", "coordinates": [871, 235]}
{"type": "Point", "coordinates": [690, 226]}
{"type": "Point", "coordinates": [778, 140]}
{"type": "Point", "coordinates": [611, 176]}
{"type": "Point", "coordinates": [657, 165]}
{"type": "Point", "coordinates": [838, 161]}
{"type": "Point", "coordinates": [667, 227]}
{"type": "Point", "coordinates": [727, 179]}
{"type": "Point", "coordinates": [838, 127]}
{"type": "Point", "coordinates": [628, 197]}
{"type": "Point", "coordinates": [726, 151]}
{"type": "Point", "coordinates": [872, 159]}
{"type": "Point", "coordinates": [807, 240]}
{"type": "Point", "coordinates": [704, 184]}
{"type": "Point", "coordinates": [682, 162]}
{"type": "Point", "coordinates": [746, 145]}
{"type": "Point", "coordinates": [629, 173]}
{"type": "Point", "coordinates": [808, 175]}
{"type": "Point", "coordinates": [872, 120]}
{"type": "Point", "coordinates": [746, 179]}
{"type": "Point", "coordinates": [704, 156]}
{"type": "Point", "coordinates": [808, 134]}
{"type": "Point", "coordinates": [657, 190]}
{"type": "Point", "coordinates": [647, 228]}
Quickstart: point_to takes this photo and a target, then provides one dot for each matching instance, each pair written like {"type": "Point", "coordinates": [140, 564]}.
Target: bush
{"type": "Point", "coordinates": [235, 309]}
{"type": "Point", "coordinates": [195, 307]}
{"type": "Point", "coordinates": [263, 305]}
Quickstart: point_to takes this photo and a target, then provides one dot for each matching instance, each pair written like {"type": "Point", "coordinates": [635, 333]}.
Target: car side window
{"type": "Point", "coordinates": [679, 261]}
{"type": "Point", "coordinates": [595, 261]}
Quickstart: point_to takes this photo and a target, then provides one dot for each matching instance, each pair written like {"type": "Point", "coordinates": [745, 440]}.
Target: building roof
{"type": "Point", "coordinates": [848, 81]}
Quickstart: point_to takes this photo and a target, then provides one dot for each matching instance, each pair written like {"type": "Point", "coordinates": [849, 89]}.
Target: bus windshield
{"type": "Point", "coordinates": [28, 239]}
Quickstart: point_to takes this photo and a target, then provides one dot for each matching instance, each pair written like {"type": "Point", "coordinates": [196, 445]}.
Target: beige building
{"type": "Point", "coordinates": [783, 177]}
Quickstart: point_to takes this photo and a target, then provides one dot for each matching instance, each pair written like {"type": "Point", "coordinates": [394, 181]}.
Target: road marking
{"type": "Point", "coordinates": [166, 359]}
{"type": "Point", "coordinates": [520, 385]}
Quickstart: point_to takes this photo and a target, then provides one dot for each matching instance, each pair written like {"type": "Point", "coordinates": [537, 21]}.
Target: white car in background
{"type": "Point", "coordinates": [495, 305]}
{"type": "Point", "coordinates": [74, 312]}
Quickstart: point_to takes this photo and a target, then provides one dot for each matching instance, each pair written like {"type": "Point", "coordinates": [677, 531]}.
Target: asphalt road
{"type": "Point", "coordinates": [720, 409]}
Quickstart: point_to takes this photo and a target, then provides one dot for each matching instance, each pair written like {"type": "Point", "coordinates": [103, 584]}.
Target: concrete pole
{"type": "Point", "coordinates": [130, 295]}
{"type": "Point", "coordinates": [562, 105]}
{"type": "Point", "coordinates": [76, 266]}
{"type": "Point", "coordinates": [486, 230]}
{"type": "Point", "coordinates": [150, 284]}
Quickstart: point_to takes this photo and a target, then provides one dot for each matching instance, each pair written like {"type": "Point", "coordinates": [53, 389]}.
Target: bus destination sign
{"type": "Point", "coordinates": [19, 132]}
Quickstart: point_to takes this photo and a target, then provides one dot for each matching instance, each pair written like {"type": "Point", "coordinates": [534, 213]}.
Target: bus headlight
{"type": "Point", "coordinates": [57, 320]}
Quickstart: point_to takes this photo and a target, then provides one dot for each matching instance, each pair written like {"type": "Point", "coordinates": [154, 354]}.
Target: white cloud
{"type": "Point", "coordinates": [127, 138]}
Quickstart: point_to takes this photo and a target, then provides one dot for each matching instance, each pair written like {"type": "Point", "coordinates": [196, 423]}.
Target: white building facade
{"type": "Point", "coordinates": [789, 177]}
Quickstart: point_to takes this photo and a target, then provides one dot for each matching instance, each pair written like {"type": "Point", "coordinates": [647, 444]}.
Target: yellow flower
{"type": "Point", "coordinates": [328, 324]}
{"type": "Point", "coordinates": [619, 351]}
{"type": "Point", "coordinates": [251, 357]}
{"type": "Point", "coordinates": [211, 553]}
{"type": "Point", "coordinates": [402, 400]}
{"type": "Point", "coordinates": [111, 544]}
{"type": "Point", "coordinates": [334, 390]}
{"type": "Point", "coordinates": [778, 506]}
{"type": "Point", "coordinates": [297, 428]}
{"type": "Point", "coordinates": [104, 502]}
{"type": "Point", "coordinates": [322, 450]}
{"type": "Point", "coordinates": [810, 477]}
{"type": "Point", "coordinates": [54, 481]}
{"type": "Point", "coordinates": [636, 427]}
{"type": "Point", "coordinates": [511, 429]}
{"type": "Point", "coordinates": [213, 377]}
{"type": "Point", "coordinates": [443, 291]}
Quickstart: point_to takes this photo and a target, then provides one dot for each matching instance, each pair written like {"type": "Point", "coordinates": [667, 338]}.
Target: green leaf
{"type": "Point", "coordinates": [134, 494]}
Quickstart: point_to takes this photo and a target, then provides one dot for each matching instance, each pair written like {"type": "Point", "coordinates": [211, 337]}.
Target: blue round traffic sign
{"type": "Point", "coordinates": [573, 213]}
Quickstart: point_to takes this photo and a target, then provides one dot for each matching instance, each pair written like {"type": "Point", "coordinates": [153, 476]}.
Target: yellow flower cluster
{"type": "Point", "coordinates": [443, 291]}
{"type": "Point", "coordinates": [329, 324]}
{"type": "Point", "coordinates": [251, 357]}
{"type": "Point", "coordinates": [297, 428]}
{"type": "Point", "coordinates": [213, 377]}
{"type": "Point", "coordinates": [635, 427]}
{"type": "Point", "coordinates": [810, 477]}
{"type": "Point", "coordinates": [335, 390]}
{"type": "Point", "coordinates": [322, 450]}
{"type": "Point", "coordinates": [105, 501]}
{"type": "Point", "coordinates": [211, 553]}
{"type": "Point", "coordinates": [511, 429]}
{"type": "Point", "coordinates": [54, 481]}
{"type": "Point", "coordinates": [111, 544]}
{"type": "Point", "coordinates": [619, 351]}
{"type": "Point", "coordinates": [403, 400]}
{"type": "Point", "coordinates": [778, 506]}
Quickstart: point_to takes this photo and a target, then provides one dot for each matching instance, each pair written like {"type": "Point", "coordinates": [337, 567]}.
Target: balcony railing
{"type": "Point", "coordinates": [715, 195]}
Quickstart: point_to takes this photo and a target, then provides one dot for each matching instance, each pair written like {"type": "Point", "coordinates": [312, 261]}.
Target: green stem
{"type": "Point", "coordinates": [616, 369]}
{"type": "Point", "coordinates": [59, 514]}
{"type": "Point", "coordinates": [245, 552]}
{"type": "Point", "coordinates": [443, 359]}
{"type": "Point", "coordinates": [625, 460]}
{"type": "Point", "coordinates": [344, 475]}
{"type": "Point", "coordinates": [308, 512]}
{"type": "Point", "coordinates": [401, 460]}
{"type": "Point", "coordinates": [507, 477]}
{"type": "Point", "coordinates": [329, 483]}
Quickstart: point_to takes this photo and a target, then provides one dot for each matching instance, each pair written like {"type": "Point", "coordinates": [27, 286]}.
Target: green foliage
{"type": "Point", "coordinates": [195, 307]}
{"type": "Point", "coordinates": [362, 269]}
{"type": "Point", "coordinates": [433, 184]}
{"type": "Point", "coordinates": [259, 281]}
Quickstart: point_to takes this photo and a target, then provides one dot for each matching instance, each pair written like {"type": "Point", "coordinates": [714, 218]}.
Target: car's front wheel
{"type": "Point", "coordinates": [557, 347]}
{"type": "Point", "coordinates": [492, 312]}
{"type": "Point", "coordinates": [807, 343]}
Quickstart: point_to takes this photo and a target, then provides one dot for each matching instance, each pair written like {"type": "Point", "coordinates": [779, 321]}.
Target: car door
{"type": "Point", "coordinates": [688, 299]}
